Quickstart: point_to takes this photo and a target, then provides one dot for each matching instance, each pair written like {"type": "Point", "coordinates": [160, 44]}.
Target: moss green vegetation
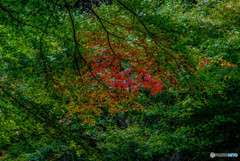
{"type": "Point", "coordinates": [49, 111]}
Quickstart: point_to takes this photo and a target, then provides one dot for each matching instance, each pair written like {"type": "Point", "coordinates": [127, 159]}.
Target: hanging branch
{"type": "Point", "coordinates": [41, 50]}
{"type": "Point", "coordinates": [148, 31]}
{"type": "Point", "coordinates": [76, 44]}
{"type": "Point", "coordinates": [17, 20]}
{"type": "Point", "coordinates": [48, 122]}
{"type": "Point", "coordinates": [77, 50]}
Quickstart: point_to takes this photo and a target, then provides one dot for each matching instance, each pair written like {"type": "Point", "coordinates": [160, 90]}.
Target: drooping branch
{"type": "Point", "coordinates": [49, 123]}
{"type": "Point", "coordinates": [158, 43]}
{"type": "Point", "coordinates": [41, 50]}
{"type": "Point", "coordinates": [17, 20]}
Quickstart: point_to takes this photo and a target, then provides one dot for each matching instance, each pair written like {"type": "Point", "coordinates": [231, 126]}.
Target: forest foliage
{"type": "Point", "coordinates": [119, 80]}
